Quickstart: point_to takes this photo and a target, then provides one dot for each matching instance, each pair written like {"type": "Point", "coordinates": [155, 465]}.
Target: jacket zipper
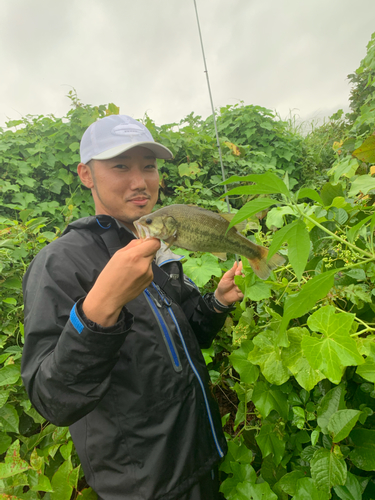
{"type": "Point", "coordinates": [165, 332]}
{"type": "Point", "coordinates": [168, 304]}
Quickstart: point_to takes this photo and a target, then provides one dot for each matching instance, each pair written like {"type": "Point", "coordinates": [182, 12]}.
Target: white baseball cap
{"type": "Point", "coordinates": [114, 134]}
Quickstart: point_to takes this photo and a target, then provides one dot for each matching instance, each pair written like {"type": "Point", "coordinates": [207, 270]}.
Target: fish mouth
{"type": "Point", "coordinates": [143, 231]}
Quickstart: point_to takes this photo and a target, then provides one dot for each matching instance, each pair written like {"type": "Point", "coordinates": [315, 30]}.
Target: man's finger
{"type": "Point", "coordinates": [230, 274]}
{"type": "Point", "coordinates": [146, 248]}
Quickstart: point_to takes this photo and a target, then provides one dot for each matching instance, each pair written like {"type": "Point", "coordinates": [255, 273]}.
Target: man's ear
{"type": "Point", "coordinates": [85, 174]}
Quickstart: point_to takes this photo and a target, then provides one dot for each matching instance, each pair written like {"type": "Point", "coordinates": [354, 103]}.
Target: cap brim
{"type": "Point", "coordinates": [160, 151]}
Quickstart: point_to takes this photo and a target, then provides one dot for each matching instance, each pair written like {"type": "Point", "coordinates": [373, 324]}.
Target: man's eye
{"type": "Point", "coordinates": [121, 167]}
{"type": "Point", "coordinates": [150, 166]}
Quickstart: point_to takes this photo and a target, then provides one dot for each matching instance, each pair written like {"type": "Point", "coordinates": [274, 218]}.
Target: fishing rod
{"type": "Point", "coordinates": [212, 107]}
{"type": "Point", "coordinates": [213, 115]}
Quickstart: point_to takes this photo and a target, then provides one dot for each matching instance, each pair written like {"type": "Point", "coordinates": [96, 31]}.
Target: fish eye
{"type": "Point", "coordinates": [148, 221]}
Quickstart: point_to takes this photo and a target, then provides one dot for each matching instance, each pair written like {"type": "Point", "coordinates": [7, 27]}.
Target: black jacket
{"type": "Point", "coordinates": [135, 395]}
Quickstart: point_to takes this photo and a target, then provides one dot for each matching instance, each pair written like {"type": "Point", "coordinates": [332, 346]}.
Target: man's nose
{"type": "Point", "coordinates": [137, 180]}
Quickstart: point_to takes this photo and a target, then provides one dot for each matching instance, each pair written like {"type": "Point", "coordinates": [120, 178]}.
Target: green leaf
{"type": "Point", "coordinates": [300, 303]}
{"type": "Point", "coordinates": [250, 491]}
{"type": "Point", "coordinates": [189, 169]}
{"type": "Point", "coordinates": [13, 464]}
{"type": "Point", "coordinates": [252, 287]}
{"type": "Point", "coordinates": [288, 483]}
{"type": "Point", "coordinates": [298, 239]}
{"type": "Point", "coordinates": [267, 398]}
{"type": "Point", "coordinates": [9, 374]}
{"type": "Point", "coordinates": [208, 354]}
{"type": "Point", "coordinates": [35, 416]}
{"type": "Point", "coordinates": [362, 184]}
{"type": "Point", "coordinates": [12, 283]}
{"type": "Point", "coordinates": [37, 462]}
{"type": "Point", "coordinates": [298, 417]}
{"type": "Point", "coordinates": [74, 476]}
{"type": "Point", "coordinates": [341, 423]}
{"type": "Point", "coordinates": [5, 442]}
{"type": "Point", "coordinates": [269, 443]}
{"type": "Point", "coordinates": [306, 489]}
{"type": "Point", "coordinates": [201, 269]}
{"type": "Point", "coordinates": [351, 489]}
{"type": "Point", "coordinates": [238, 454]}
{"type": "Point", "coordinates": [112, 109]}
{"type": "Point", "coordinates": [346, 167]}
{"type": "Point", "coordinates": [327, 470]}
{"type": "Point", "coordinates": [314, 437]}
{"type": "Point", "coordinates": [352, 233]}
{"type": "Point", "coordinates": [88, 494]}
{"type": "Point", "coordinates": [9, 419]}
{"type": "Point", "coordinates": [275, 216]}
{"type": "Point", "coordinates": [251, 208]}
{"type": "Point", "coordinates": [74, 146]}
{"type": "Point", "coordinates": [248, 371]}
{"type": "Point", "coordinates": [330, 404]}
{"type": "Point", "coordinates": [310, 193]}
{"type": "Point", "coordinates": [43, 484]}
{"type": "Point", "coordinates": [367, 370]}
{"type": "Point", "coordinates": [366, 151]}
{"type": "Point", "coordinates": [258, 291]}
{"type": "Point", "coordinates": [357, 274]}
{"type": "Point", "coordinates": [65, 176]}
{"type": "Point", "coordinates": [267, 183]}
{"type": "Point", "coordinates": [270, 472]}
{"type": "Point", "coordinates": [62, 489]}
{"type": "Point", "coordinates": [10, 300]}
{"type": "Point", "coordinates": [241, 472]}
{"type": "Point", "coordinates": [53, 185]}
{"type": "Point", "coordinates": [269, 356]}
{"type": "Point", "coordinates": [331, 191]}
{"type": "Point", "coordinates": [335, 349]}
{"type": "Point", "coordinates": [297, 363]}
{"type": "Point", "coordinates": [363, 454]}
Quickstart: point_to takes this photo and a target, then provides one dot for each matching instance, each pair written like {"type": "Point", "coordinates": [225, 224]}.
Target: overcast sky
{"type": "Point", "coordinates": [145, 55]}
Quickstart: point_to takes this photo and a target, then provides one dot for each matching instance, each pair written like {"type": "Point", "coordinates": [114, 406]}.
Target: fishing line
{"type": "Point", "coordinates": [212, 107]}
{"type": "Point", "coordinates": [213, 111]}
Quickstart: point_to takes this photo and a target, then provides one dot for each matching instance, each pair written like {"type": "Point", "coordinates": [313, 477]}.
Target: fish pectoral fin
{"type": "Point", "coordinates": [228, 217]}
{"type": "Point", "coordinates": [170, 241]}
{"type": "Point", "coordinates": [220, 255]}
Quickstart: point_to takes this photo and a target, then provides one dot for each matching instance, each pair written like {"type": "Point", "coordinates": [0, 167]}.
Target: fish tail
{"type": "Point", "coordinates": [261, 267]}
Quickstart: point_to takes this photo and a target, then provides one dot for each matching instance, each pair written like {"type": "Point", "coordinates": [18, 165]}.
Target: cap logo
{"type": "Point", "coordinates": [127, 130]}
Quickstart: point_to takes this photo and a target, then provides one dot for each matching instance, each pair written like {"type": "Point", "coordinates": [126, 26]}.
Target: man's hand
{"type": "Point", "coordinates": [125, 277]}
{"type": "Point", "coordinates": [227, 291]}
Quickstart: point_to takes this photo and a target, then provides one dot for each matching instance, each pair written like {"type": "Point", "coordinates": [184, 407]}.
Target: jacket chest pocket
{"type": "Point", "coordinates": [167, 336]}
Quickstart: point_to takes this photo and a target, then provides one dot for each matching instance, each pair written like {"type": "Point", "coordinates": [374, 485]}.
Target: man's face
{"type": "Point", "coordinates": [125, 187]}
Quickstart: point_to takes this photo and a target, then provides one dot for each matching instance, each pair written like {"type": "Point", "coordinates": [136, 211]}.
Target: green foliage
{"type": "Point", "coordinates": [38, 161]}
{"type": "Point", "coordinates": [363, 83]}
{"type": "Point", "coordinates": [252, 140]}
{"type": "Point", "coordinates": [312, 340]}
{"type": "Point", "coordinates": [296, 358]}
{"type": "Point", "coordinates": [38, 457]}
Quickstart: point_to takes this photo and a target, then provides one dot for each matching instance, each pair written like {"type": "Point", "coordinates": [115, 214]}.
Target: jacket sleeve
{"type": "Point", "coordinates": [204, 321]}
{"type": "Point", "coordinates": [66, 366]}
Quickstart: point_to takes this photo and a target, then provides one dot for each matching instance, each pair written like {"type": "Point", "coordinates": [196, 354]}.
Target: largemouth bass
{"type": "Point", "coordinates": [198, 229]}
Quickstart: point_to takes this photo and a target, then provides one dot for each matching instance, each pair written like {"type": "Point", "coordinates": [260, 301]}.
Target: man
{"type": "Point", "coordinates": [113, 332]}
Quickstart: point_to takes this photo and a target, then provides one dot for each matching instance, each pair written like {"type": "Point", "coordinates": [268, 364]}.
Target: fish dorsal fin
{"type": "Point", "coordinates": [228, 217]}
{"type": "Point", "coordinates": [220, 255]}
